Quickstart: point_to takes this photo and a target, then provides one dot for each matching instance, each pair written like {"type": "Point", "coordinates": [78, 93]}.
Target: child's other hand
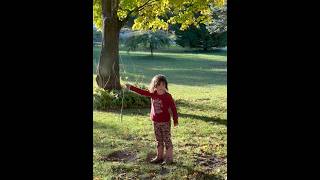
{"type": "Point", "coordinates": [175, 124]}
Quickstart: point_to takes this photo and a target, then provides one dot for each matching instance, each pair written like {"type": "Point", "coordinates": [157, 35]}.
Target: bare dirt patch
{"type": "Point", "coordinates": [210, 161]}
{"type": "Point", "coordinates": [120, 156]}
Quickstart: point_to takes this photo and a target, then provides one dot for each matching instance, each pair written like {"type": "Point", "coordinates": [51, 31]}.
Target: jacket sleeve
{"type": "Point", "coordinates": [173, 109]}
{"type": "Point", "coordinates": [140, 91]}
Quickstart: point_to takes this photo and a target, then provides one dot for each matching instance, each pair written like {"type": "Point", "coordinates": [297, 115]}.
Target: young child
{"type": "Point", "coordinates": [161, 103]}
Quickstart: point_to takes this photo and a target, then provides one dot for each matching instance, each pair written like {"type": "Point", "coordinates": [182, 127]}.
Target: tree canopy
{"type": "Point", "coordinates": [219, 22]}
{"type": "Point", "coordinates": [153, 14]}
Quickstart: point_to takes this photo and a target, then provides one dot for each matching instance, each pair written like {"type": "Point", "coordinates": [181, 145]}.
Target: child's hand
{"type": "Point", "coordinates": [175, 123]}
{"type": "Point", "coordinates": [127, 86]}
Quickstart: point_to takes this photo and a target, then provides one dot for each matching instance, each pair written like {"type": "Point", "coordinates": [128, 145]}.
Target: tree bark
{"type": "Point", "coordinates": [108, 76]}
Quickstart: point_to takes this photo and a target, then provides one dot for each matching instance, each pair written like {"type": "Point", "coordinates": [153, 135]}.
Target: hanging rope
{"type": "Point", "coordinates": [124, 73]}
{"type": "Point", "coordinates": [126, 77]}
{"type": "Point", "coordinates": [134, 70]}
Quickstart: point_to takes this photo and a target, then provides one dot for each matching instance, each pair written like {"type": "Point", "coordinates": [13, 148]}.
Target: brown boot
{"type": "Point", "coordinates": [169, 156]}
{"type": "Point", "coordinates": [159, 158]}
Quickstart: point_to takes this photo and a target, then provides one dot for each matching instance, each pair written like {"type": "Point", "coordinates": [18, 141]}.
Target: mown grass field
{"type": "Point", "coordinates": [198, 84]}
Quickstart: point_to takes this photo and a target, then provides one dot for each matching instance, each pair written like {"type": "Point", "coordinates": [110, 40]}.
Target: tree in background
{"type": "Point", "coordinates": [149, 40]}
{"type": "Point", "coordinates": [111, 15]}
{"type": "Point", "coordinates": [211, 35]}
{"type": "Point", "coordinates": [96, 36]}
{"type": "Point", "coordinates": [200, 37]}
{"type": "Point", "coordinates": [219, 22]}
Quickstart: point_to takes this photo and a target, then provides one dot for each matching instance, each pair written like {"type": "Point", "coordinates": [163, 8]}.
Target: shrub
{"type": "Point", "coordinates": [109, 100]}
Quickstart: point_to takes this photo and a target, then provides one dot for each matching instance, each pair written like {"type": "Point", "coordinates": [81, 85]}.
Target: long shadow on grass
{"type": "Point", "coordinates": [166, 60]}
{"type": "Point", "coordinates": [188, 104]}
{"type": "Point", "coordinates": [180, 70]}
{"type": "Point", "coordinates": [205, 118]}
{"type": "Point", "coordinates": [200, 105]}
{"type": "Point", "coordinates": [190, 77]}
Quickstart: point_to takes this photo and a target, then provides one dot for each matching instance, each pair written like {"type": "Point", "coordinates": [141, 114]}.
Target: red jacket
{"type": "Point", "coordinates": [160, 105]}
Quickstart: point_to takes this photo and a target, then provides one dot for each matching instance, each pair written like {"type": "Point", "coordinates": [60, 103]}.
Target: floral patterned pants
{"type": "Point", "coordinates": [163, 134]}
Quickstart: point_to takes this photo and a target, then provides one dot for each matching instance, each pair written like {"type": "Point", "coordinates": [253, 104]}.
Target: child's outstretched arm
{"type": "Point", "coordinates": [174, 111]}
{"type": "Point", "coordinates": [138, 90]}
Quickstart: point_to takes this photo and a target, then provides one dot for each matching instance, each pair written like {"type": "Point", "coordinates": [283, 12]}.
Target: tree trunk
{"type": "Point", "coordinates": [205, 45]}
{"type": "Point", "coordinates": [151, 49]}
{"type": "Point", "coordinates": [108, 76]}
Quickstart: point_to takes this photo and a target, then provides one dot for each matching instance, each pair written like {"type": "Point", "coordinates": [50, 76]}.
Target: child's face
{"type": "Point", "coordinates": [161, 88]}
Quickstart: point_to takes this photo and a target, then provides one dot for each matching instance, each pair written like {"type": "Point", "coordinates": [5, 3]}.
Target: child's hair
{"type": "Point", "coordinates": [156, 80]}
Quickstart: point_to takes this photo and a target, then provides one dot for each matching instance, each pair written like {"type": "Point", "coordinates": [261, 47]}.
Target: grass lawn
{"type": "Point", "coordinates": [198, 84]}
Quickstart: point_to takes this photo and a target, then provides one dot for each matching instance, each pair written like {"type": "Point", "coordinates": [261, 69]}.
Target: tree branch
{"type": "Point", "coordinates": [137, 9]}
{"type": "Point", "coordinates": [142, 6]}
{"type": "Point", "coordinates": [104, 3]}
